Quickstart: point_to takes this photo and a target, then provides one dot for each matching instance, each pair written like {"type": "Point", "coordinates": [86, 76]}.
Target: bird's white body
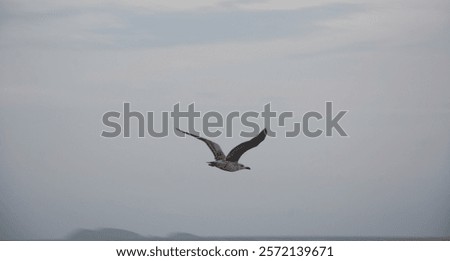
{"type": "Point", "coordinates": [227, 165]}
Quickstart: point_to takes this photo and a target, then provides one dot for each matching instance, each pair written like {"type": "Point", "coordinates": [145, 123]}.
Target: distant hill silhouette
{"type": "Point", "coordinates": [107, 234]}
{"type": "Point", "coordinates": [113, 234]}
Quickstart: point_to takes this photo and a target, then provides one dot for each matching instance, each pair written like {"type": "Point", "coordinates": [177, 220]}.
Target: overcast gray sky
{"type": "Point", "coordinates": [65, 63]}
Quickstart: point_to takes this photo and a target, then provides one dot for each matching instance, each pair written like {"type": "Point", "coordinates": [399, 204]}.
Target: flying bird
{"type": "Point", "coordinates": [230, 162]}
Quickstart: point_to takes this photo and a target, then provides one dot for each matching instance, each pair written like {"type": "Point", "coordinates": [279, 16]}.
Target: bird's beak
{"type": "Point", "coordinates": [247, 168]}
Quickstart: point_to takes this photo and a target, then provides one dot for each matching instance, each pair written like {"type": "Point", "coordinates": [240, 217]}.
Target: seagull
{"type": "Point", "coordinates": [230, 162]}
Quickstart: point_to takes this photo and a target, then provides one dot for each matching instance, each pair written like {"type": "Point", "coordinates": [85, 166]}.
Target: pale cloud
{"type": "Point", "coordinates": [383, 22]}
{"type": "Point", "coordinates": [286, 4]}
{"type": "Point", "coordinates": [128, 29]}
{"type": "Point", "coordinates": [138, 5]}
{"type": "Point", "coordinates": [378, 28]}
{"type": "Point", "coordinates": [50, 24]}
{"type": "Point", "coordinates": [168, 5]}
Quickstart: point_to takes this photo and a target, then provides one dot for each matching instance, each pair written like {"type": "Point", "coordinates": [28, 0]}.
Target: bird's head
{"type": "Point", "coordinates": [241, 166]}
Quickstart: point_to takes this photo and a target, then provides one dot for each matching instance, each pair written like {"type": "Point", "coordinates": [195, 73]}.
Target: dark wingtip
{"type": "Point", "coordinates": [179, 130]}
{"type": "Point", "coordinates": [263, 133]}
{"type": "Point", "coordinates": [184, 133]}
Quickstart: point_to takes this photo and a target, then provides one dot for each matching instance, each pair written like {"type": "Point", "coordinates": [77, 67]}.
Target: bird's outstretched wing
{"type": "Point", "coordinates": [240, 149]}
{"type": "Point", "coordinates": [214, 147]}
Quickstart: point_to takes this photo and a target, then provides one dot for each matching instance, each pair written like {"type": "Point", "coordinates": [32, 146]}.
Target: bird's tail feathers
{"type": "Point", "coordinates": [211, 163]}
